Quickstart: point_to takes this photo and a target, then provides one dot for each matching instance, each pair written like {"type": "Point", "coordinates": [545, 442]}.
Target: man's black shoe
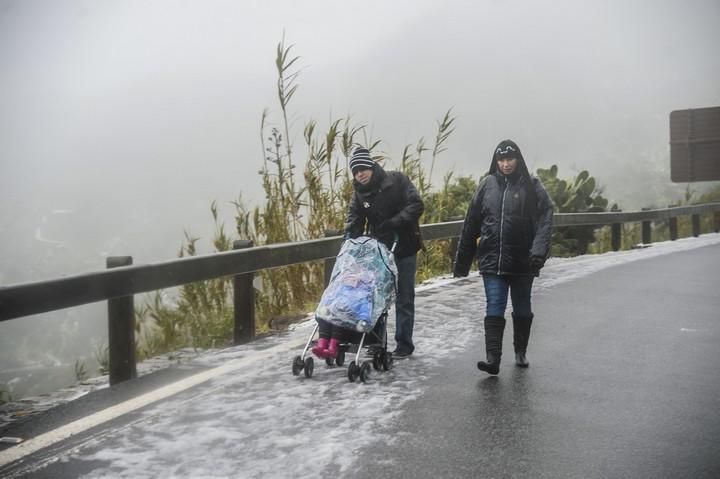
{"type": "Point", "coordinates": [401, 354]}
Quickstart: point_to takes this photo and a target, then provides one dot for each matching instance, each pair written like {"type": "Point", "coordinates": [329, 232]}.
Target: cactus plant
{"type": "Point", "coordinates": [578, 195]}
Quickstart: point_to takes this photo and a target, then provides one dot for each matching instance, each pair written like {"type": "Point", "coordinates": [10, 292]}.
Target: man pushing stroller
{"type": "Point", "coordinates": [387, 206]}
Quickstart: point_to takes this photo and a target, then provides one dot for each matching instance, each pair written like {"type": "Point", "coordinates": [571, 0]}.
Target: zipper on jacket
{"type": "Point", "coordinates": [502, 220]}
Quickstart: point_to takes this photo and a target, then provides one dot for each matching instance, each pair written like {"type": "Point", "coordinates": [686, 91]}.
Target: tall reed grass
{"type": "Point", "coordinates": [306, 193]}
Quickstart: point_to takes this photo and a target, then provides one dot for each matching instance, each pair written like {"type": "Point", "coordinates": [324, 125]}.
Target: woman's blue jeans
{"type": "Point", "coordinates": [496, 294]}
{"type": "Point", "coordinates": [405, 303]}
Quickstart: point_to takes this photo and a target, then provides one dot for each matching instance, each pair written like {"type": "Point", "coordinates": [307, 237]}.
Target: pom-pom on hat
{"type": "Point", "coordinates": [360, 160]}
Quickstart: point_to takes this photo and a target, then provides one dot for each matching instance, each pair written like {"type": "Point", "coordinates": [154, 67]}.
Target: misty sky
{"type": "Point", "coordinates": [120, 121]}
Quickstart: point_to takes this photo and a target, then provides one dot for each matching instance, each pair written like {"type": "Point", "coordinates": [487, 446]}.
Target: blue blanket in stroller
{"type": "Point", "coordinates": [362, 286]}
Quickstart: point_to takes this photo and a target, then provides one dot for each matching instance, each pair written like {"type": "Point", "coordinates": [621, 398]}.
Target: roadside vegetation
{"type": "Point", "coordinates": [307, 188]}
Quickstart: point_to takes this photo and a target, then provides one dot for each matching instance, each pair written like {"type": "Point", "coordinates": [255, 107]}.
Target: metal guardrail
{"type": "Point", "coordinates": [120, 282]}
{"type": "Point", "coordinates": [50, 295]}
{"type": "Point", "coordinates": [599, 219]}
{"type": "Point", "coordinates": [43, 296]}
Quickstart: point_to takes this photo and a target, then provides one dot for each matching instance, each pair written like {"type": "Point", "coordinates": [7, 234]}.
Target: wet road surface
{"type": "Point", "coordinates": [623, 383]}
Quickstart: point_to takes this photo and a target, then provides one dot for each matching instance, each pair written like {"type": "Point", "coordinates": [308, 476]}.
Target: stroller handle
{"type": "Point", "coordinates": [396, 238]}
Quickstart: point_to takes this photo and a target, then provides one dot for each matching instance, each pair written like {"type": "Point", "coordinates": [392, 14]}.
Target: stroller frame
{"type": "Point", "coordinates": [382, 359]}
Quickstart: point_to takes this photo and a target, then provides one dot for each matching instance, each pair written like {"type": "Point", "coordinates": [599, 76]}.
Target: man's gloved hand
{"type": "Point", "coordinates": [537, 262]}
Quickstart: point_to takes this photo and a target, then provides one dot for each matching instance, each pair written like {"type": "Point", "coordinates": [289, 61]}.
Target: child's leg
{"type": "Point", "coordinates": [337, 337]}
{"type": "Point", "coordinates": [332, 349]}
{"type": "Point", "coordinates": [324, 331]}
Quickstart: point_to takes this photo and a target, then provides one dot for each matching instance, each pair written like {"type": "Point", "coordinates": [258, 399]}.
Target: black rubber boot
{"type": "Point", "coordinates": [521, 336]}
{"type": "Point", "coordinates": [494, 329]}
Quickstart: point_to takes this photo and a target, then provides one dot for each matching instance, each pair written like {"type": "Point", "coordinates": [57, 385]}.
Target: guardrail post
{"type": "Point", "coordinates": [453, 249]}
{"type": "Point", "coordinates": [673, 228]}
{"type": "Point", "coordinates": [616, 234]}
{"type": "Point", "coordinates": [243, 301]}
{"type": "Point", "coordinates": [646, 230]}
{"type": "Point", "coordinates": [672, 225]}
{"type": "Point", "coordinates": [696, 225]}
{"type": "Point", "coordinates": [121, 331]}
{"type": "Point", "coordinates": [329, 262]}
{"type": "Point", "coordinates": [454, 241]}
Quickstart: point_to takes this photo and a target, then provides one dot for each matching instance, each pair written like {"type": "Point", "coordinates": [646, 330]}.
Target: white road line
{"type": "Point", "coordinates": [51, 437]}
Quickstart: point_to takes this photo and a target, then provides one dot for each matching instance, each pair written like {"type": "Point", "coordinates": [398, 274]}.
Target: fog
{"type": "Point", "coordinates": [121, 121]}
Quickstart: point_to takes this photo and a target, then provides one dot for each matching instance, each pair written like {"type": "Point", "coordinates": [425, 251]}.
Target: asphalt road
{"type": "Point", "coordinates": [622, 384]}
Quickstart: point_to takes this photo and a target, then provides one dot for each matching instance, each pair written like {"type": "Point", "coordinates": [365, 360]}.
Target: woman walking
{"type": "Point", "coordinates": [508, 226]}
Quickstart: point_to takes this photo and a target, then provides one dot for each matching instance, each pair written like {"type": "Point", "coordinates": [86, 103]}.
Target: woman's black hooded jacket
{"type": "Point", "coordinates": [389, 204]}
{"type": "Point", "coordinates": [509, 219]}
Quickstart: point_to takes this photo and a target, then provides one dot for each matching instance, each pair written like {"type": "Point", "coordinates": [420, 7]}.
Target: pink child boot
{"type": "Point", "coordinates": [320, 350]}
{"type": "Point", "coordinates": [332, 350]}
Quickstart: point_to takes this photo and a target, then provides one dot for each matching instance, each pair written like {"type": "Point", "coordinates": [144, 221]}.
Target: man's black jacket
{"type": "Point", "coordinates": [388, 205]}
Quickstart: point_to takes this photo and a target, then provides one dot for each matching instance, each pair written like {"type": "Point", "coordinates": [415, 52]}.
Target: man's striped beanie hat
{"type": "Point", "coordinates": [361, 159]}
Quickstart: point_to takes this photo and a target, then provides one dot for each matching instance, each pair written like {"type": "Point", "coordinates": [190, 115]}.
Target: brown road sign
{"type": "Point", "coordinates": [695, 145]}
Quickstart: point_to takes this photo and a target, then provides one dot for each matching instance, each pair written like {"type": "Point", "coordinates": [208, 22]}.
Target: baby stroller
{"type": "Point", "coordinates": [362, 287]}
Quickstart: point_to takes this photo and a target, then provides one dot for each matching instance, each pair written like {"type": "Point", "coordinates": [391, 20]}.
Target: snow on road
{"type": "Point", "coordinates": [258, 420]}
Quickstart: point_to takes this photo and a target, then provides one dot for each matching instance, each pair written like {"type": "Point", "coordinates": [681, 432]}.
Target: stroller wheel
{"type": "Point", "coordinates": [377, 360]}
{"type": "Point", "coordinates": [387, 361]}
{"type": "Point", "coordinates": [340, 359]}
{"type": "Point", "coordinates": [329, 361]}
{"type": "Point", "coordinates": [297, 365]}
{"type": "Point", "coordinates": [365, 371]}
{"type": "Point", "coordinates": [309, 366]}
{"type": "Point", "coordinates": [353, 371]}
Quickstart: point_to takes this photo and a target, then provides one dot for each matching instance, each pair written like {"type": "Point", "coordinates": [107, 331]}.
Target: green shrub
{"type": "Point", "coordinates": [578, 195]}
